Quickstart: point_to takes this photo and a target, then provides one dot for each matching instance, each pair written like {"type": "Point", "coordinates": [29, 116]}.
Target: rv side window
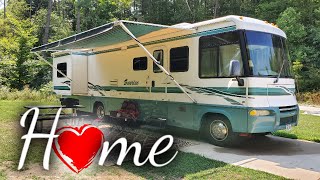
{"type": "Point", "coordinates": [63, 68]}
{"type": "Point", "coordinates": [216, 52]}
{"type": "Point", "coordinates": [140, 63]}
{"type": "Point", "coordinates": [158, 54]}
{"type": "Point", "coordinates": [179, 59]}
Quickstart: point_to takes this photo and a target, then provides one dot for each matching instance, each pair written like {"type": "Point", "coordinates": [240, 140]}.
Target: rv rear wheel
{"type": "Point", "coordinates": [99, 111]}
{"type": "Point", "coordinates": [218, 131]}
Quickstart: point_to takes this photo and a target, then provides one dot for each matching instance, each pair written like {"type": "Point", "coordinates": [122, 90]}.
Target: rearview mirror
{"type": "Point", "coordinates": [234, 68]}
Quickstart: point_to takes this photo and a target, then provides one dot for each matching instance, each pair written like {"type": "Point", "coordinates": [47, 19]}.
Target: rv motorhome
{"type": "Point", "coordinates": [226, 77]}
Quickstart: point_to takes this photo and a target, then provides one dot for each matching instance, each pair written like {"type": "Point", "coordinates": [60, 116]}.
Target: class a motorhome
{"type": "Point", "coordinates": [225, 77]}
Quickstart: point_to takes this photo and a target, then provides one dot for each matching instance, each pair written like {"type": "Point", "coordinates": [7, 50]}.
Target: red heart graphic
{"type": "Point", "coordinates": [76, 147]}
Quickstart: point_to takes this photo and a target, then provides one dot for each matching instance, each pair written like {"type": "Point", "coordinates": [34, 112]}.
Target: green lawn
{"type": "Point", "coordinates": [191, 166]}
{"type": "Point", "coordinates": [308, 129]}
{"type": "Point", "coordinates": [11, 132]}
{"type": "Point", "coordinates": [186, 165]}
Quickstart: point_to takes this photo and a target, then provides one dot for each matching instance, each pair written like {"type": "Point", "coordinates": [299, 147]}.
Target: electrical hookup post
{"type": "Point", "coordinates": [78, 146]}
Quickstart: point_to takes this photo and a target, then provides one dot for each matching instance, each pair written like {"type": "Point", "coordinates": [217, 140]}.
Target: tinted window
{"type": "Point", "coordinates": [158, 54]}
{"type": "Point", "coordinates": [140, 63]}
{"type": "Point", "coordinates": [216, 52]}
{"type": "Point", "coordinates": [209, 62]}
{"type": "Point", "coordinates": [268, 54]}
{"type": "Point", "coordinates": [63, 68]}
{"type": "Point", "coordinates": [179, 59]}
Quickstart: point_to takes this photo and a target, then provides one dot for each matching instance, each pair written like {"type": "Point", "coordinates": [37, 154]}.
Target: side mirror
{"type": "Point", "coordinates": [234, 68]}
{"type": "Point", "coordinates": [235, 71]}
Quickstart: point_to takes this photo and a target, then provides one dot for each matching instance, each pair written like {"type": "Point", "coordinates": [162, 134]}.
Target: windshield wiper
{"type": "Point", "coordinates": [276, 81]}
{"type": "Point", "coordinates": [284, 60]}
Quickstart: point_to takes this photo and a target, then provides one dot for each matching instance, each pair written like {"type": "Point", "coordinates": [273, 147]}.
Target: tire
{"type": "Point", "coordinates": [218, 131]}
{"type": "Point", "coordinates": [99, 111]}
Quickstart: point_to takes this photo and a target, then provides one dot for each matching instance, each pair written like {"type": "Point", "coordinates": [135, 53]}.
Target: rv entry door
{"type": "Point", "coordinates": [159, 81]}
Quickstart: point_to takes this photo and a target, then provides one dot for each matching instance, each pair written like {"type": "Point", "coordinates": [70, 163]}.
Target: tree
{"type": "Point", "coordinates": [59, 27]}
{"type": "Point", "coordinates": [18, 37]}
{"type": "Point", "coordinates": [303, 37]}
{"type": "Point", "coordinates": [270, 10]}
{"type": "Point", "coordinates": [47, 28]}
{"type": "Point", "coordinates": [290, 22]}
{"type": "Point", "coordinates": [4, 9]}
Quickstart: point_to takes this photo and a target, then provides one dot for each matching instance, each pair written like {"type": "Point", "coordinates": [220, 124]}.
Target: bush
{"type": "Point", "coordinates": [44, 94]}
{"type": "Point", "coordinates": [309, 97]}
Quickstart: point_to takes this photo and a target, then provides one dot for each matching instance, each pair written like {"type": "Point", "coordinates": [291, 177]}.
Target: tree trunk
{"type": "Point", "coordinates": [4, 9]}
{"type": "Point", "coordinates": [78, 19]}
{"type": "Point", "coordinates": [216, 6]}
{"type": "Point", "coordinates": [30, 10]}
{"type": "Point", "coordinates": [143, 8]}
{"type": "Point", "coordinates": [47, 28]}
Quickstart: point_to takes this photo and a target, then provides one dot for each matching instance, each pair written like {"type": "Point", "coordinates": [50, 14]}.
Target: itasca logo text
{"type": "Point", "coordinates": [126, 82]}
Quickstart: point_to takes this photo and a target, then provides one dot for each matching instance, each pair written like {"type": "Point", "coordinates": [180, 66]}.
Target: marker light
{"type": "Point", "coordinates": [259, 113]}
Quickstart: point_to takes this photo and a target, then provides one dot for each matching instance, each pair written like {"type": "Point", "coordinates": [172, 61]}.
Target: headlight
{"type": "Point", "coordinates": [259, 112]}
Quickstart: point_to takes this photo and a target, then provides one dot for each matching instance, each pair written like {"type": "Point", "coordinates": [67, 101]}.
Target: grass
{"type": "Point", "coordinates": [3, 175]}
{"type": "Point", "coordinates": [191, 166]}
{"type": "Point", "coordinates": [308, 129]}
{"type": "Point", "coordinates": [11, 132]}
{"type": "Point", "coordinates": [45, 94]}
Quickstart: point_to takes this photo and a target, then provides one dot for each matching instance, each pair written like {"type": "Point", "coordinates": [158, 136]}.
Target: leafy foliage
{"type": "Point", "coordinates": [16, 40]}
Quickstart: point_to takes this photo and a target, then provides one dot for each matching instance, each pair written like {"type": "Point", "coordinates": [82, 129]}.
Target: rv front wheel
{"type": "Point", "coordinates": [99, 111]}
{"type": "Point", "coordinates": [218, 131]}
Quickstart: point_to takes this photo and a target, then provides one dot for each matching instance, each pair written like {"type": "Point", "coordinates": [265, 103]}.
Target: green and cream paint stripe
{"type": "Point", "coordinates": [233, 91]}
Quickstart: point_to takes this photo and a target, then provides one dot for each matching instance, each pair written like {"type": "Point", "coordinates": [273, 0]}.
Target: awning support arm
{"type": "Point", "coordinates": [154, 60]}
{"type": "Point", "coordinates": [41, 58]}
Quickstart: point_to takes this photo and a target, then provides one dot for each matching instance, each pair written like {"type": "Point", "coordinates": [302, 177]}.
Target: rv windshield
{"type": "Point", "coordinates": [267, 54]}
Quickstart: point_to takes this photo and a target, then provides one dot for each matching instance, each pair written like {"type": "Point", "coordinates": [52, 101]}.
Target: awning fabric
{"type": "Point", "coordinates": [105, 35]}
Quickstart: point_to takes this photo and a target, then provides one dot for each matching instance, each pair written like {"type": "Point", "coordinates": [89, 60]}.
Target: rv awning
{"type": "Point", "coordinates": [108, 35]}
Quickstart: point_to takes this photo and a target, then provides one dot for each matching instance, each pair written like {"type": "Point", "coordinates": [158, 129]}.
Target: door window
{"type": "Point", "coordinates": [158, 54]}
{"type": "Point", "coordinates": [63, 68]}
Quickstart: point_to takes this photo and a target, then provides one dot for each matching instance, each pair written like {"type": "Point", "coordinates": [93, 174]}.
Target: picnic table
{"type": "Point", "coordinates": [50, 114]}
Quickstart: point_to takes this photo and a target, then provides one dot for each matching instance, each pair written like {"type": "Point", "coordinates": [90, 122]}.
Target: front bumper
{"type": "Point", "coordinates": [277, 120]}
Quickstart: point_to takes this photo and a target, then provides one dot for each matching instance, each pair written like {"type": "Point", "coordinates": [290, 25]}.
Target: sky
{"type": "Point", "coordinates": [1, 4]}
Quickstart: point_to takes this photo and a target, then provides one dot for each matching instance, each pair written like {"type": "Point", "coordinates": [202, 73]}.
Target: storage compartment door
{"type": "Point", "coordinates": [79, 84]}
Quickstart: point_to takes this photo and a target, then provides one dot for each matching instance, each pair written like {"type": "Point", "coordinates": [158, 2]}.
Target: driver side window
{"type": "Point", "coordinates": [227, 54]}
{"type": "Point", "coordinates": [216, 52]}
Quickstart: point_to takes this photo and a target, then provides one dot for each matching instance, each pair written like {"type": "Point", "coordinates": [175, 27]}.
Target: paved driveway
{"type": "Point", "coordinates": [285, 157]}
{"type": "Point", "coordinates": [310, 110]}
